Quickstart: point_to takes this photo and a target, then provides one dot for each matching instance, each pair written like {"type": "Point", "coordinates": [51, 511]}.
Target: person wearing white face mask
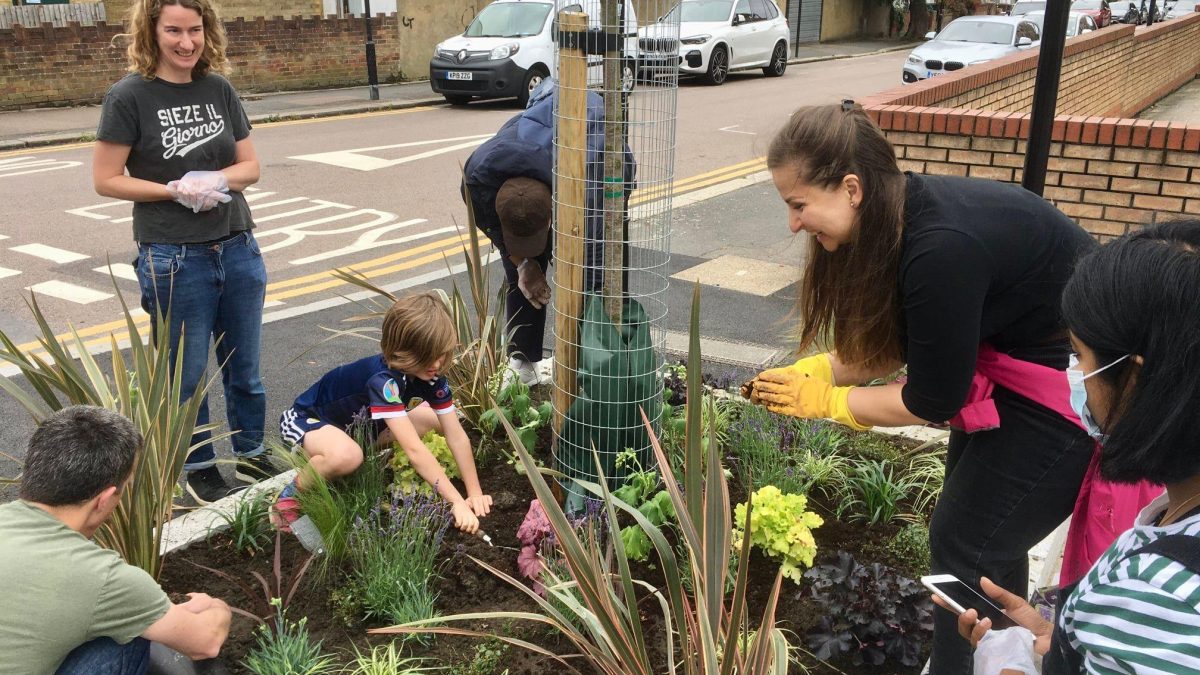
{"type": "Point", "coordinates": [1134, 318]}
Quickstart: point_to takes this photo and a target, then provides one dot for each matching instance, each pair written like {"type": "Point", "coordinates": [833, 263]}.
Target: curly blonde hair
{"type": "Point", "coordinates": [143, 43]}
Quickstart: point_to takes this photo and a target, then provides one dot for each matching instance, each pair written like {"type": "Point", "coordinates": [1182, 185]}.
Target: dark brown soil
{"type": "Point", "coordinates": [467, 587]}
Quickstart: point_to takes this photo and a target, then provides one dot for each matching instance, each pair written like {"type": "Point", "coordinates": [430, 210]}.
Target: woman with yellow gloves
{"type": "Point", "coordinates": [940, 274]}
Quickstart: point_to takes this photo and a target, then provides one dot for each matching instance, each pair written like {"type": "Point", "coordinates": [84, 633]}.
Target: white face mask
{"type": "Point", "coordinates": [1075, 379]}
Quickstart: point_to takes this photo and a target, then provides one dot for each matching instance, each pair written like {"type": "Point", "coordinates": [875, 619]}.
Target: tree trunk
{"type": "Point", "coordinates": [918, 24]}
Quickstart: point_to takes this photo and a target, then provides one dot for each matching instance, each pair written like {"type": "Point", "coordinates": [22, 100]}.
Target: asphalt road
{"type": "Point", "coordinates": [379, 192]}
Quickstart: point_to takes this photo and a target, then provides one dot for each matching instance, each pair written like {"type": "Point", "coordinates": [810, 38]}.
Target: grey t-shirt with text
{"type": "Point", "coordinates": [173, 129]}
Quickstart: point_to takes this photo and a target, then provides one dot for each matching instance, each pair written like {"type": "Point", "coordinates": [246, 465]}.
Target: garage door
{"type": "Point", "coordinates": [804, 16]}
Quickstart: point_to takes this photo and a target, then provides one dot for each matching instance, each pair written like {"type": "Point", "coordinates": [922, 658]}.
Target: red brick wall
{"type": "Point", "coordinates": [76, 64]}
{"type": "Point", "coordinates": [1109, 173]}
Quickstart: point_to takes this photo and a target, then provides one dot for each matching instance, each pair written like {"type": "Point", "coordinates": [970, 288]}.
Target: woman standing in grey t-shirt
{"type": "Point", "coordinates": [179, 130]}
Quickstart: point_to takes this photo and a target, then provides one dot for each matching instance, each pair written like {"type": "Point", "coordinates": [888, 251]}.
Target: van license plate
{"type": "Point", "coordinates": [459, 75]}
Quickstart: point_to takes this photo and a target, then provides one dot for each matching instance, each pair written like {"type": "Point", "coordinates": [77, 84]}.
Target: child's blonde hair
{"type": "Point", "coordinates": [143, 41]}
{"type": "Point", "coordinates": [417, 331]}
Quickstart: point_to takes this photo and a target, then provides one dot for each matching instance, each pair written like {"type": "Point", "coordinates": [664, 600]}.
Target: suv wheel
{"type": "Point", "coordinates": [718, 66]}
{"type": "Point", "coordinates": [778, 62]}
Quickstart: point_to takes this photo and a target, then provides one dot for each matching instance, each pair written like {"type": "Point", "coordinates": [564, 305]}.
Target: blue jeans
{"type": "Point", "coordinates": [217, 292]}
{"type": "Point", "coordinates": [103, 656]}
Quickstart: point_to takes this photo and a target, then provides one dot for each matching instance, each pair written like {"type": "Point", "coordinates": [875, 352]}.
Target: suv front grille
{"type": "Point", "coordinates": [933, 64]}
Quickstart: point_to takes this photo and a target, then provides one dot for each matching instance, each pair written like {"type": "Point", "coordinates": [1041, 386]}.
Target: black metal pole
{"type": "Point", "coordinates": [372, 74]}
{"type": "Point", "coordinates": [1152, 12]}
{"type": "Point", "coordinates": [941, 11]}
{"type": "Point", "coordinates": [1045, 95]}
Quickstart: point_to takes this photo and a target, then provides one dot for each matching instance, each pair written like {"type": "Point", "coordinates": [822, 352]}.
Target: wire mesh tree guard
{"type": "Point", "coordinates": [615, 118]}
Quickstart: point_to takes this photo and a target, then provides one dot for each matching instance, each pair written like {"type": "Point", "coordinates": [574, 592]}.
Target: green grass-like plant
{"type": "Point", "coordinates": [386, 660]}
{"type": "Point", "coordinates": [606, 625]}
{"type": "Point", "coordinates": [139, 387]}
{"type": "Point", "coordinates": [393, 557]}
{"type": "Point", "coordinates": [249, 524]}
{"type": "Point", "coordinates": [873, 493]}
{"type": "Point", "coordinates": [287, 650]}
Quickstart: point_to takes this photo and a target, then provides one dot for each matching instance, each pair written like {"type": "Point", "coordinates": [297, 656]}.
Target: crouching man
{"type": "Point", "coordinates": [69, 606]}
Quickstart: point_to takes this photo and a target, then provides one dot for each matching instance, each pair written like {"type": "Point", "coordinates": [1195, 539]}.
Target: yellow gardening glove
{"type": "Point", "coordinates": [818, 366]}
{"type": "Point", "coordinates": [786, 392]}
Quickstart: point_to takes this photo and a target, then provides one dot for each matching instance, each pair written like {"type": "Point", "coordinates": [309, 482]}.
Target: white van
{"type": "Point", "coordinates": [508, 49]}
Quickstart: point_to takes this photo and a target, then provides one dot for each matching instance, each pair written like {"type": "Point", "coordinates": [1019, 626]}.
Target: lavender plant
{"type": "Point", "coordinates": [393, 557]}
{"type": "Point", "coordinates": [796, 456]}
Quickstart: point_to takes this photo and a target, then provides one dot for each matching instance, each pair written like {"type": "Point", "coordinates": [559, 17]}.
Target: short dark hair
{"type": "Point", "coordinates": [1138, 295]}
{"type": "Point", "coordinates": [77, 453]}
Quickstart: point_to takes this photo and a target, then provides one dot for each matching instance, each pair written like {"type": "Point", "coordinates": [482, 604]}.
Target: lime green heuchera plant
{"type": "Point", "coordinates": [781, 527]}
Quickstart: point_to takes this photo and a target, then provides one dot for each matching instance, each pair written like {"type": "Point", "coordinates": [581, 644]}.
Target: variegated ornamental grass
{"type": "Point", "coordinates": [139, 387]}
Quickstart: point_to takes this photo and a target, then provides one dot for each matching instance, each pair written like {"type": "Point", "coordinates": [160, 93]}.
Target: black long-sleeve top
{"type": "Point", "coordinates": [981, 261]}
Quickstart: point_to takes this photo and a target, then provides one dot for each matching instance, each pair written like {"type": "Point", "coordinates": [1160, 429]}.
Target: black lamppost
{"type": "Point", "coordinates": [1045, 95]}
{"type": "Point", "coordinates": [372, 75]}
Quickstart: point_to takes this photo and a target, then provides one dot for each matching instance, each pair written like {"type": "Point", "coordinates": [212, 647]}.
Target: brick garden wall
{"type": "Point", "coordinates": [76, 64]}
{"type": "Point", "coordinates": [232, 9]}
{"type": "Point", "coordinates": [1108, 172]}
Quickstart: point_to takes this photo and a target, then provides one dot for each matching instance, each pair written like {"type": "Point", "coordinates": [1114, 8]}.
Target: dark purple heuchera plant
{"type": "Point", "coordinates": [871, 612]}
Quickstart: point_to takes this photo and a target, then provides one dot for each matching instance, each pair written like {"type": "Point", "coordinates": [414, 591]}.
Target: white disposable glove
{"type": "Point", "coordinates": [1011, 649]}
{"type": "Point", "coordinates": [200, 190]}
{"type": "Point", "coordinates": [531, 280]}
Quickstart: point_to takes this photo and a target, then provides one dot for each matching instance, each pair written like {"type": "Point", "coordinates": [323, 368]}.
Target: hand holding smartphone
{"type": "Point", "coordinates": [960, 597]}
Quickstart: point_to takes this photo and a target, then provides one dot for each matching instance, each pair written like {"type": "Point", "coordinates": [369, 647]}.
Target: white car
{"type": "Point", "coordinates": [1078, 23]}
{"type": "Point", "coordinates": [967, 41]}
{"type": "Point", "coordinates": [717, 36]}
{"type": "Point", "coordinates": [508, 49]}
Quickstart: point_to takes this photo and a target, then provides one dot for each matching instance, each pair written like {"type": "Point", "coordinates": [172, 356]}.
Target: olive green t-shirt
{"type": "Point", "coordinates": [62, 590]}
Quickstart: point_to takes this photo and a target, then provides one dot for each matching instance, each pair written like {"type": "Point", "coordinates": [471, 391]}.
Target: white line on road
{"type": "Point", "coordinates": [56, 255]}
{"type": "Point", "coordinates": [69, 292]}
{"type": "Point", "coordinates": [321, 205]}
{"type": "Point", "coordinates": [5, 273]}
{"type": "Point", "coordinates": [733, 129]}
{"type": "Point", "coordinates": [19, 166]}
{"type": "Point", "coordinates": [370, 240]}
{"type": "Point", "coordinates": [119, 270]}
{"type": "Point", "coordinates": [355, 159]}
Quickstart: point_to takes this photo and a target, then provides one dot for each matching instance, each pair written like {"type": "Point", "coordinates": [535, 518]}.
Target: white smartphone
{"type": "Point", "coordinates": [961, 597]}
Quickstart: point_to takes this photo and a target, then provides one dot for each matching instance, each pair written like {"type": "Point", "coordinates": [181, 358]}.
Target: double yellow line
{"type": "Point", "coordinates": [99, 335]}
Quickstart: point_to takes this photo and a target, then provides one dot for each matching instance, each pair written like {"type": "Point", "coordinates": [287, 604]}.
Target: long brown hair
{"type": "Point", "coordinates": [853, 292]}
{"type": "Point", "coordinates": [417, 331]}
{"type": "Point", "coordinates": [143, 43]}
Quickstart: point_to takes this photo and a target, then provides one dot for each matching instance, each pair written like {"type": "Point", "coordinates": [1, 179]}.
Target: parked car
{"type": "Point", "coordinates": [508, 49]}
{"type": "Point", "coordinates": [1023, 7]}
{"type": "Point", "coordinates": [1078, 23]}
{"type": "Point", "coordinates": [967, 41]}
{"type": "Point", "coordinates": [717, 36]}
{"type": "Point", "coordinates": [1099, 10]}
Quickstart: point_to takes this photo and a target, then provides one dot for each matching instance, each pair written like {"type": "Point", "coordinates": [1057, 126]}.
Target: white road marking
{"type": "Point", "coordinates": [119, 270]}
{"type": "Point", "coordinates": [321, 205]}
{"type": "Point", "coordinates": [356, 158]}
{"type": "Point", "coordinates": [69, 292]}
{"type": "Point", "coordinates": [273, 303]}
{"type": "Point", "coordinates": [56, 255]}
{"type": "Point", "coordinates": [19, 166]}
{"type": "Point", "coordinates": [5, 273]}
{"type": "Point", "coordinates": [370, 240]}
{"type": "Point", "coordinates": [733, 129]}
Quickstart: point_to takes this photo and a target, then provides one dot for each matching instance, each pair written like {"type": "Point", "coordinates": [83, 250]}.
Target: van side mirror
{"type": "Point", "coordinates": [1024, 41]}
{"type": "Point", "coordinates": [930, 35]}
{"type": "Point", "coordinates": [737, 19]}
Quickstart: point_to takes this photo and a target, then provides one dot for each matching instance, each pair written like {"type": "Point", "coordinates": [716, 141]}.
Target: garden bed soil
{"type": "Point", "coordinates": [466, 587]}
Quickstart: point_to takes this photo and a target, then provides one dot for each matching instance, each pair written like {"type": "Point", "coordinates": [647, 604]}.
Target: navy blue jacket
{"type": "Point", "coordinates": [524, 146]}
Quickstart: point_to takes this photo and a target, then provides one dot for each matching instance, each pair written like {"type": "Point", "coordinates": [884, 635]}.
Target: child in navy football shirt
{"type": "Point", "coordinates": [418, 340]}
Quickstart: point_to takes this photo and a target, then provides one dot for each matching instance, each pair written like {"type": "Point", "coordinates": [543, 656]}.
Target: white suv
{"type": "Point", "coordinates": [716, 36]}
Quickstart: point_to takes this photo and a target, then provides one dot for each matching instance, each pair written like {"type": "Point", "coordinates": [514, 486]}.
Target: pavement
{"type": "Point", "coordinates": [51, 126]}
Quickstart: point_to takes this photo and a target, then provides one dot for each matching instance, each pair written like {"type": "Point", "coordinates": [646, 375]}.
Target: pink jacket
{"type": "Point", "coordinates": [1102, 509]}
